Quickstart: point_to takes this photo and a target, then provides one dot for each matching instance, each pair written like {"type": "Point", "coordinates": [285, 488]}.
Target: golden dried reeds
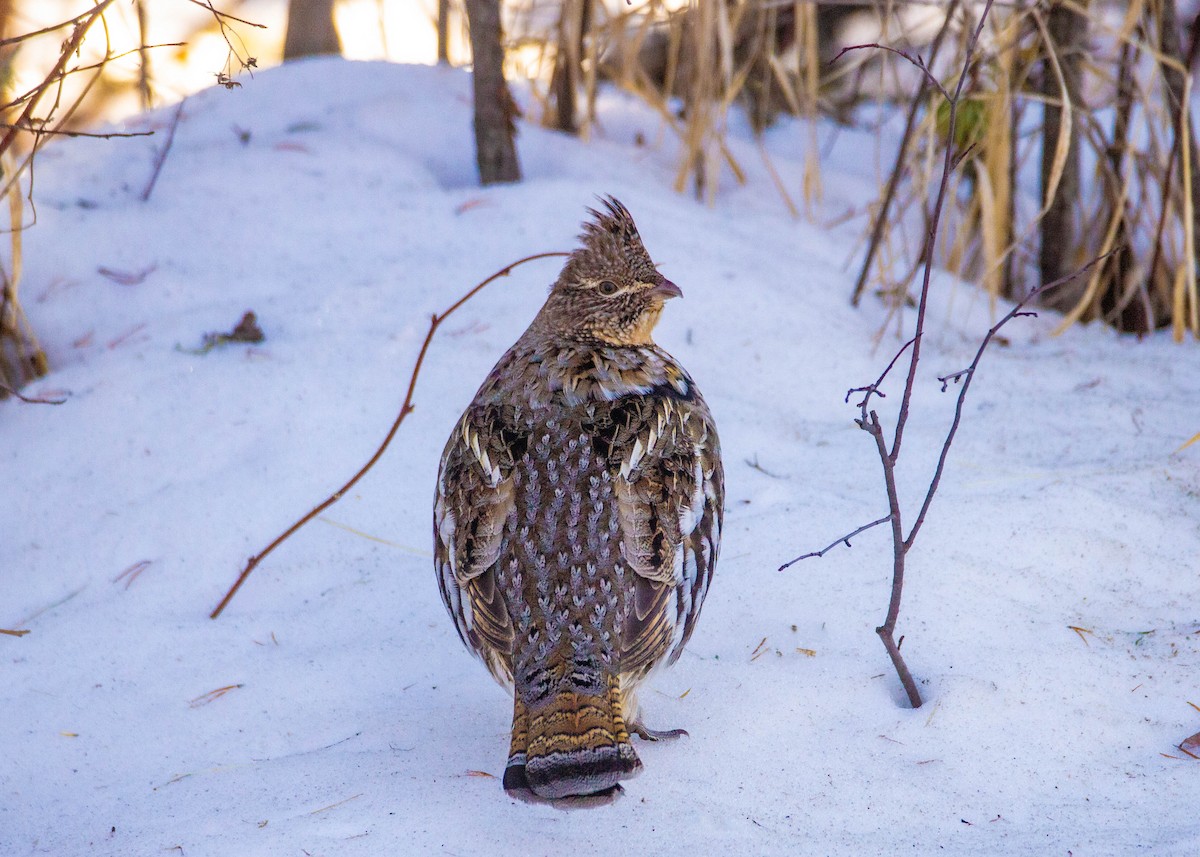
{"type": "Point", "coordinates": [1074, 141]}
{"type": "Point", "coordinates": [1118, 168]}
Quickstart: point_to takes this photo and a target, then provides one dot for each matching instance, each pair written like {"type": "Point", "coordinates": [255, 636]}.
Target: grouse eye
{"type": "Point", "coordinates": [607, 287]}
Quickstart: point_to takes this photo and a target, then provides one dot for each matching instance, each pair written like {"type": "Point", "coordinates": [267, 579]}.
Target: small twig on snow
{"type": "Point", "coordinates": [161, 157]}
{"type": "Point", "coordinates": [9, 391]}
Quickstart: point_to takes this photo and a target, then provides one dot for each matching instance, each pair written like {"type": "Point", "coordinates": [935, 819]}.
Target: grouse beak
{"type": "Point", "coordinates": [666, 289]}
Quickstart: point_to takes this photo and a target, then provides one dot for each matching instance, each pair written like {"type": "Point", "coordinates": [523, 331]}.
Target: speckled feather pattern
{"type": "Point", "coordinates": [578, 515]}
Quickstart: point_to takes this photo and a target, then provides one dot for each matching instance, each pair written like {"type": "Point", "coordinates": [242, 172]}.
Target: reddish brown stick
{"type": "Point", "coordinates": [405, 409]}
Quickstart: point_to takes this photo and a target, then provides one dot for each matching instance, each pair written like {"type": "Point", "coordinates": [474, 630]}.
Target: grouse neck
{"type": "Point", "coordinates": [584, 372]}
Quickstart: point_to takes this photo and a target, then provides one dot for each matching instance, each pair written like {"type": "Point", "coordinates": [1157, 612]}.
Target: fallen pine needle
{"type": "Point", "coordinates": [1081, 632]}
{"type": "Point", "coordinates": [20, 633]}
{"type": "Point", "coordinates": [132, 573]}
{"type": "Point", "coordinates": [1194, 705]}
{"type": "Point", "coordinates": [468, 205]}
{"type": "Point", "coordinates": [69, 734]}
{"type": "Point", "coordinates": [414, 551]}
{"type": "Point", "coordinates": [1193, 439]}
{"type": "Point", "coordinates": [174, 779]}
{"type": "Point", "coordinates": [206, 698]}
{"type": "Point", "coordinates": [685, 693]}
{"type": "Point", "coordinates": [60, 602]}
{"type": "Point", "coordinates": [481, 774]}
{"type": "Point", "coordinates": [127, 278]}
{"type": "Point", "coordinates": [124, 337]}
{"type": "Point", "coordinates": [937, 705]}
{"type": "Point", "coordinates": [758, 650]}
{"type": "Point", "coordinates": [339, 803]}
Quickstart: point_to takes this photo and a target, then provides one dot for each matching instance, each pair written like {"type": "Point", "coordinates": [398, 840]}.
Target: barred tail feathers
{"type": "Point", "coordinates": [575, 744]}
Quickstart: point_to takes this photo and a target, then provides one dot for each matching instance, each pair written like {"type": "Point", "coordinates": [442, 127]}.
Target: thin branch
{"type": "Point", "coordinates": [405, 409]}
{"type": "Point", "coordinates": [887, 630]}
{"type": "Point", "coordinates": [59, 133]}
{"type": "Point", "coordinates": [931, 237]}
{"type": "Point", "coordinates": [12, 40]}
{"type": "Point", "coordinates": [869, 419]}
{"type": "Point", "coordinates": [968, 375]}
{"type": "Point", "coordinates": [914, 59]}
{"type": "Point", "coordinates": [873, 389]}
{"type": "Point", "coordinates": [910, 125]}
{"type": "Point", "coordinates": [9, 391]}
{"type": "Point", "coordinates": [161, 157]}
{"type": "Point", "coordinates": [221, 16]}
{"type": "Point", "coordinates": [843, 540]}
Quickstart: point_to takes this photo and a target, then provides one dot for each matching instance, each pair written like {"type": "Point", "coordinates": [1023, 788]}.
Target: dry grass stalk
{"type": "Point", "coordinates": [1132, 128]}
{"type": "Point", "coordinates": [28, 121]}
{"type": "Point", "coordinates": [21, 358]}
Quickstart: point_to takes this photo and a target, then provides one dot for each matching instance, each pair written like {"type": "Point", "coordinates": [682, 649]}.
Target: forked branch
{"type": "Point", "coordinates": [868, 419]}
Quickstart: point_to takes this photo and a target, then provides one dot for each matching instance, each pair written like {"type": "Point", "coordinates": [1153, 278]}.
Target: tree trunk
{"type": "Point", "coordinates": [495, 111]}
{"type": "Point", "coordinates": [1172, 48]}
{"type": "Point", "coordinates": [573, 21]}
{"type": "Point", "coordinates": [443, 32]}
{"type": "Point", "coordinates": [310, 30]}
{"type": "Point", "coordinates": [1060, 231]}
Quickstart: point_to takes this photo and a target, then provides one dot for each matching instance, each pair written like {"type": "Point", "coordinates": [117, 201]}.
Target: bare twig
{"type": "Point", "coordinates": [869, 420]}
{"type": "Point", "coordinates": [111, 135]}
{"type": "Point", "coordinates": [843, 540]}
{"type": "Point", "coordinates": [968, 375]}
{"type": "Point", "coordinates": [915, 59]}
{"type": "Point", "coordinates": [405, 409]}
{"type": "Point", "coordinates": [893, 182]}
{"type": "Point", "coordinates": [161, 157]}
{"type": "Point", "coordinates": [873, 389]}
{"type": "Point", "coordinates": [223, 16]}
{"type": "Point", "coordinates": [931, 237]}
{"type": "Point", "coordinates": [9, 391]}
{"type": "Point", "coordinates": [12, 40]}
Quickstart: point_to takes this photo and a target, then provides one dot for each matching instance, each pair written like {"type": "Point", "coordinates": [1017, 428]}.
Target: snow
{"type": "Point", "coordinates": [338, 201]}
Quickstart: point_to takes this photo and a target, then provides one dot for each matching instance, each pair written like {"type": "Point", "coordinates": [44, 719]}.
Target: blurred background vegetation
{"type": "Point", "coordinates": [1077, 138]}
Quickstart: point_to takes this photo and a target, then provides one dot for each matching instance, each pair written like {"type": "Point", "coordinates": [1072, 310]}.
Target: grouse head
{"type": "Point", "coordinates": [609, 292]}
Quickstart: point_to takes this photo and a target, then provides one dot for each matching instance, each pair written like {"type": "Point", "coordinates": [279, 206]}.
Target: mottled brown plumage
{"type": "Point", "coordinates": [578, 515]}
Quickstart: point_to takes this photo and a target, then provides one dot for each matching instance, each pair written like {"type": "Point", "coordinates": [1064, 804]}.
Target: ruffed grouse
{"type": "Point", "coordinates": [578, 516]}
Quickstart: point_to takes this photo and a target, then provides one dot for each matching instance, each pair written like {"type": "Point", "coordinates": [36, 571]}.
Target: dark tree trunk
{"type": "Point", "coordinates": [495, 112]}
{"type": "Point", "coordinates": [573, 22]}
{"type": "Point", "coordinates": [1172, 48]}
{"type": "Point", "coordinates": [310, 29]}
{"type": "Point", "coordinates": [443, 32]}
{"type": "Point", "coordinates": [1060, 230]}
